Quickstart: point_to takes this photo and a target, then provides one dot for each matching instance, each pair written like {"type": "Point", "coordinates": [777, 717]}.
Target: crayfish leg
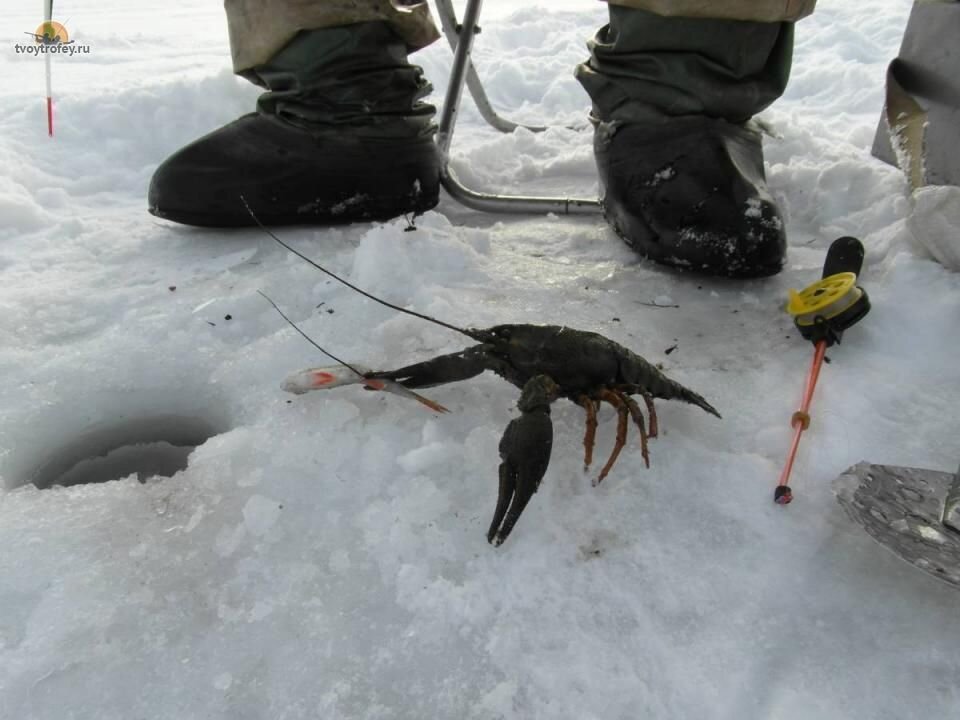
{"type": "Point", "coordinates": [615, 399]}
{"type": "Point", "coordinates": [637, 416]}
{"type": "Point", "coordinates": [652, 411]}
{"type": "Point", "coordinates": [590, 434]}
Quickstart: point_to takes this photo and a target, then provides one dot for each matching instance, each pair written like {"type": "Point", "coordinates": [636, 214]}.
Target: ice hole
{"type": "Point", "coordinates": [146, 447]}
{"type": "Point", "coordinates": [145, 460]}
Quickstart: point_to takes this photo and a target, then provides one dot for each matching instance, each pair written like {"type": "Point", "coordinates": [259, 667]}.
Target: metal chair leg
{"type": "Point", "coordinates": [487, 202]}
{"type": "Point", "coordinates": [451, 29]}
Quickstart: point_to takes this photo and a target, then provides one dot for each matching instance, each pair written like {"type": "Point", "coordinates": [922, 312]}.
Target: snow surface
{"type": "Point", "coordinates": [324, 556]}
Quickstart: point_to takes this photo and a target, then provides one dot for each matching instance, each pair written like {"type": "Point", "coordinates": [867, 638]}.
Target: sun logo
{"type": "Point", "coordinates": [51, 33]}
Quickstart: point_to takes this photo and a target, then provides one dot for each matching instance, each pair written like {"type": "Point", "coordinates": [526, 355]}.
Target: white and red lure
{"type": "Point", "coordinates": [325, 378]}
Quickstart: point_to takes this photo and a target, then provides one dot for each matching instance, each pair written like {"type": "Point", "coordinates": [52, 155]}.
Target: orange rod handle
{"type": "Point", "coordinates": [801, 419]}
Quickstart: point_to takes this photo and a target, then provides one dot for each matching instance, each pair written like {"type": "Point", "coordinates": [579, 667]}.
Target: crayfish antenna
{"type": "Point", "coordinates": [470, 334]}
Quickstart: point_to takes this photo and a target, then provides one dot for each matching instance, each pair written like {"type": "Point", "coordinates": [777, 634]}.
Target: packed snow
{"type": "Point", "coordinates": [323, 555]}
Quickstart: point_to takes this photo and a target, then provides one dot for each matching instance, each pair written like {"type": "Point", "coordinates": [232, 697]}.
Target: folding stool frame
{"type": "Point", "coordinates": [461, 36]}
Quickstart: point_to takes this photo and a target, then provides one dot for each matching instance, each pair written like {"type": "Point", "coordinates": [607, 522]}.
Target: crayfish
{"type": "Point", "coordinates": [547, 362]}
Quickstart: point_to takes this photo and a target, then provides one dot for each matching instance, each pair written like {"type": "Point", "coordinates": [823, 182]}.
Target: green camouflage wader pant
{"type": "Point", "coordinates": [259, 28]}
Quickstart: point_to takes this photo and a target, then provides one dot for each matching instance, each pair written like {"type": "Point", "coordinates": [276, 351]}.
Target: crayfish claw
{"type": "Point", "coordinates": [517, 495]}
{"type": "Point", "coordinates": [525, 451]}
{"type": "Point", "coordinates": [505, 492]}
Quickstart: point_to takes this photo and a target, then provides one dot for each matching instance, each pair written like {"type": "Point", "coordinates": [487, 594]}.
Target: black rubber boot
{"type": "Point", "coordinates": [341, 136]}
{"type": "Point", "coordinates": [691, 193]}
{"type": "Point", "coordinates": [681, 171]}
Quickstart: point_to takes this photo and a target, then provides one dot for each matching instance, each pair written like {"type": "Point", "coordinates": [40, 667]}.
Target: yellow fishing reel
{"type": "Point", "coordinates": [825, 309]}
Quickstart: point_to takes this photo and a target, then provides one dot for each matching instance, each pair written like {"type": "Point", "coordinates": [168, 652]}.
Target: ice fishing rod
{"type": "Point", "coordinates": [822, 312]}
{"type": "Point", "coordinates": [49, 32]}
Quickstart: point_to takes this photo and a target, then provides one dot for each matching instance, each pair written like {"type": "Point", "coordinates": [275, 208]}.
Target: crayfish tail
{"type": "Point", "coordinates": [709, 408]}
{"type": "Point", "coordinates": [668, 389]}
{"type": "Point", "coordinates": [643, 378]}
{"type": "Point", "coordinates": [691, 397]}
